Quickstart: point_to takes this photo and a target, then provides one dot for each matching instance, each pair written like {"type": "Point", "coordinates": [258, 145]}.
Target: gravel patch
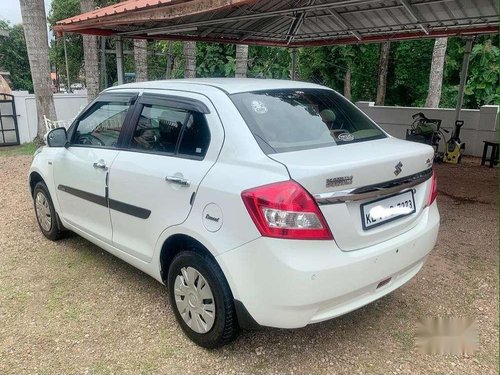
{"type": "Point", "coordinates": [71, 308]}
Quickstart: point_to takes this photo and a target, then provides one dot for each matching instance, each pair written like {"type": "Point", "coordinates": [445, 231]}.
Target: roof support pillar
{"type": "Point", "coordinates": [119, 60]}
{"type": "Point", "coordinates": [463, 76]}
{"type": "Point", "coordinates": [68, 89]}
{"type": "Point", "coordinates": [343, 24]}
{"type": "Point", "coordinates": [415, 15]}
{"type": "Point", "coordinates": [293, 69]}
{"type": "Point", "coordinates": [104, 73]}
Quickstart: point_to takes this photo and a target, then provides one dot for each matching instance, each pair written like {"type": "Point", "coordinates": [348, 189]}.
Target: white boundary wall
{"type": "Point", "coordinates": [67, 107]}
{"type": "Point", "coordinates": [480, 124]}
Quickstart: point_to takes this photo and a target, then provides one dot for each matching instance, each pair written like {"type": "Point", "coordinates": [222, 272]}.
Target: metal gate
{"type": "Point", "coordinates": [9, 134]}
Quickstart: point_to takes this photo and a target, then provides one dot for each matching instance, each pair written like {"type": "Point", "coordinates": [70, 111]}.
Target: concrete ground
{"type": "Point", "coordinates": [71, 308]}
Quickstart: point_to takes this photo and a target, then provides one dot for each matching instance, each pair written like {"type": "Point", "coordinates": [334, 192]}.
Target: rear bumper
{"type": "Point", "coordinates": [289, 284]}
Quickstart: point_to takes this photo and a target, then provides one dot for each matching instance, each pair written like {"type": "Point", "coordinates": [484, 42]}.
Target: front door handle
{"type": "Point", "coordinates": [178, 180]}
{"type": "Point", "coordinates": [100, 165]}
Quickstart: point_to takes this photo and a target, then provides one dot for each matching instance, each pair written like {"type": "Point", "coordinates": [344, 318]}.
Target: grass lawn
{"type": "Point", "coordinates": [24, 149]}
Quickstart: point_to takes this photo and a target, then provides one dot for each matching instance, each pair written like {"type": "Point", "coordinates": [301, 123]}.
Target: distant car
{"type": "Point", "coordinates": [257, 202]}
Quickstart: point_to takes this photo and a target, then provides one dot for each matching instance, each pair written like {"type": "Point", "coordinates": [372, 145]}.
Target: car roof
{"type": "Point", "coordinates": [228, 85]}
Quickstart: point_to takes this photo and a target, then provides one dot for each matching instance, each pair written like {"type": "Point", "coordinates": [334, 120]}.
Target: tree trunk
{"type": "Point", "coordinates": [90, 56]}
{"type": "Point", "coordinates": [436, 74]}
{"type": "Point", "coordinates": [347, 83]}
{"type": "Point", "coordinates": [141, 59]}
{"type": "Point", "coordinates": [35, 32]}
{"type": "Point", "coordinates": [189, 59]}
{"type": "Point", "coordinates": [170, 60]}
{"type": "Point", "coordinates": [382, 72]}
{"type": "Point", "coordinates": [241, 61]}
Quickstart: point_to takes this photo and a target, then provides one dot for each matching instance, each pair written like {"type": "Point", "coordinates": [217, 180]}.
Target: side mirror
{"type": "Point", "coordinates": [57, 137]}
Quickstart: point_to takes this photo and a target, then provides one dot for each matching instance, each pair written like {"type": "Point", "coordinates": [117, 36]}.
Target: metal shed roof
{"type": "Point", "coordinates": [288, 23]}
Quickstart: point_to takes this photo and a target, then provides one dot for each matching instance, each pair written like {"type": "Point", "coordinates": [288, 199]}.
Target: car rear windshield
{"type": "Point", "coordinates": [292, 120]}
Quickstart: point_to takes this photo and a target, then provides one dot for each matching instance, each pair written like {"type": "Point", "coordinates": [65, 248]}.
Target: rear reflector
{"type": "Point", "coordinates": [286, 210]}
{"type": "Point", "coordinates": [384, 282]}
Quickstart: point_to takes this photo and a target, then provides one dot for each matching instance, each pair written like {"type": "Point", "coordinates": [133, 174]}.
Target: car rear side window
{"type": "Point", "coordinates": [101, 125]}
{"type": "Point", "coordinates": [172, 131]}
{"type": "Point", "coordinates": [158, 129]}
{"type": "Point", "coordinates": [195, 137]}
{"type": "Point", "coordinates": [292, 120]}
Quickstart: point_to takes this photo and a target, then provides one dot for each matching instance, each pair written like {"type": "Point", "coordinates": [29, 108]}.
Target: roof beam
{"type": "Point", "coordinates": [260, 24]}
{"type": "Point", "coordinates": [344, 24]}
{"type": "Point", "coordinates": [415, 14]}
{"type": "Point", "coordinates": [295, 26]}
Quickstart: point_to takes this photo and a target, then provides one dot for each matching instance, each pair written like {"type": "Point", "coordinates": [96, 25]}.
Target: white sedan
{"type": "Point", "coordinates": [257, 202]}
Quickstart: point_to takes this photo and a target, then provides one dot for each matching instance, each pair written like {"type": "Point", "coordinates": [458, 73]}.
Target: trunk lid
{"type": "Point", "coordinates": [369, 163]}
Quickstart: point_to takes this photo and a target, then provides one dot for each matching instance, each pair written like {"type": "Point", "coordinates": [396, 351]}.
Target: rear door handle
{"type": "Point", "coordinates": [178, 180]}
{"type": "Point", "coordinates": [100, 165]}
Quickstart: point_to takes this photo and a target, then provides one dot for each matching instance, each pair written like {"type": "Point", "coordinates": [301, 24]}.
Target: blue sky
{"type": "Point", "coordinates": [11, 11]}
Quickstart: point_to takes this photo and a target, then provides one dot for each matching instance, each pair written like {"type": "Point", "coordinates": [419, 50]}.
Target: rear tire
{"type": "Point", "coordinates": [201, 299]}
{"type": "Point", "coordinates": [45, 212]}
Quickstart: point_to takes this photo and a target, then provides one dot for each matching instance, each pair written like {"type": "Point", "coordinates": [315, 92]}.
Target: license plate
{"type": "Point", "coordinates": [387, 209]}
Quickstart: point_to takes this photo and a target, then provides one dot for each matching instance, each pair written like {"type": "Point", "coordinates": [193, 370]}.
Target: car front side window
{"type": "Point", "coordinates": [101, 125]}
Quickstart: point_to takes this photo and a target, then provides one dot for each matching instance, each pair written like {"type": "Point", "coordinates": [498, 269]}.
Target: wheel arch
{"type": "Point", "coordinates": [35, 178]}
{"type": "Point", "coordinates": [175, 244]}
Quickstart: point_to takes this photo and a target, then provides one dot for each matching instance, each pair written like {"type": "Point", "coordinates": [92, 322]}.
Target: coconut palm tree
{"type": "Point", "coordinates": [90, 56]}
{"type": "Point", "coordinates": [141, 59]}
{"type": "Point", "coordinates": [385, 48]}
{"type": "Point", "coordinates": [241, 61]}
{"type": "Point", "coordinates": [189, 59]}
{"type": "Point", "coordinates": [436, 74]}
{"type": "Point", "coordinates": [35, 32]}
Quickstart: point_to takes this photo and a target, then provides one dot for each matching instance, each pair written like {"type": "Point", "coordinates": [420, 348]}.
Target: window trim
{"type": "Point", "coordinates": [128, 97]}
{"type": "Point", "coordinates": [174, 102]}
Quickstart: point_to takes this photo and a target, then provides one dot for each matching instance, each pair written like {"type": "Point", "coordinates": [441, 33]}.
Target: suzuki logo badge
{"type": "Point", "coordinates": [398, 168]}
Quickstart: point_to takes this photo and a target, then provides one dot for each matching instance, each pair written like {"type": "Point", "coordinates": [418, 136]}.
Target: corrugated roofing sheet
{"type": "Point", "coordinates": [288, 23]}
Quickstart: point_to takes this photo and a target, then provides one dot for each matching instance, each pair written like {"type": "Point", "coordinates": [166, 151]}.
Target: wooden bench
{"type": "Point", "coordinates": [493, 159]}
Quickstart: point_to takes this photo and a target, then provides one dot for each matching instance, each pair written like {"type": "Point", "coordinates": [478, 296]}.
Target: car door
{"type": "Point", "coordinates": [81, 170]}
{"type": "Point", "coordinates": [172, 143]}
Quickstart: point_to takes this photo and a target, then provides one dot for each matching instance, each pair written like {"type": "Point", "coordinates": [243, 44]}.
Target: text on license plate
{"type": "Point", "coordinates": [387, 209]}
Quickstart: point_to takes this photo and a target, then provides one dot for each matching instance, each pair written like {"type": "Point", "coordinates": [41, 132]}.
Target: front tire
{"type": "Point", "coordinates": [46, 215]}
{"type": "Point", "coordinates": [201, 299]}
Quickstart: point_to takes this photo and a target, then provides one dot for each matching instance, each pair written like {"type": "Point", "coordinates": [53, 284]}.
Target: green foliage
{"type": "Point", "coordinates": [14, 57]}
{"type": "Point", "coordinates": [328, 65]}
{"type": "Point", "coordinates": [61, 9]}
{"type": "Point", "coordinates": [483, 84]}
{"type": "Point", "coordinates": [409, 67]}
{"type": "Point", "coordinates": [268, 62]}
{"type": "Point", "coordinates": [215, 60]}
{"type": "Point", "coordinates": [365, 72]}
{"type": "Point", "coordinates": [322, 65]}
{"type": "Point", "coordinates": [483, 78]}
{"type": "Point", "coordinates": [158, 59]}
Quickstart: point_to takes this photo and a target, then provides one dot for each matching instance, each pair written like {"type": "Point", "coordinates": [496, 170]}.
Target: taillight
{"type": "Point", "coordinates": [434, 190]}
{"type": "Point", "coordinates": [286, 210]}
